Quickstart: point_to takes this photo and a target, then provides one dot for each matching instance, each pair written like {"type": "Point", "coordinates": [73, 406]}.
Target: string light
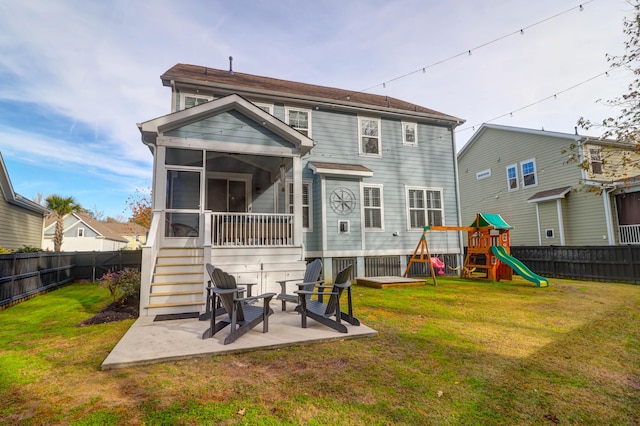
{"type": "Point", "coordinates": [469, 51]}
{"type": "Point", "coordinates": [555, 96]}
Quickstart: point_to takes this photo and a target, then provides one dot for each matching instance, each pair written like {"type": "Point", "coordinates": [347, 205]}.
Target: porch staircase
{"type": "Point", "coordinates": [178, 279]}
{"type": "Point", "coordinates": [177, 282]}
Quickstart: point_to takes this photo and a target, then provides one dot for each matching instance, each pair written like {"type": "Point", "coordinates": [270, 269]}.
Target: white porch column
{"type": "Point", "coordinates": [560, 221]}
{"type": "Point", "coordinates": [297, 201]}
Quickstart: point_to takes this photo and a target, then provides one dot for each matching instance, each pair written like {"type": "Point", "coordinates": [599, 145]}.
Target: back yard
{"type": "Point", "coordinates": [461, 352]}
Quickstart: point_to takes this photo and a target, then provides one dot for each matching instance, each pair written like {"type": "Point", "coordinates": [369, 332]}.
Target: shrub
{"type": "Point", "coordinates": [27, 249]}
{"type": "Point", "coordinates": [5, 250]}
{"type": "Point", "coordinates": [122, 285]}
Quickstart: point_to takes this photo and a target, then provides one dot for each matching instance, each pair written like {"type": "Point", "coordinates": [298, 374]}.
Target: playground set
{"type": "Point", "coordinates": [488, 252]}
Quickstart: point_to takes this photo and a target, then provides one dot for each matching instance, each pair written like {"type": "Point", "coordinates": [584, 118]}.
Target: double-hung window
{"type": "Point", "coordinates": [369, 136]}
{"type": "Point", "coordinates": [193, 100]}
{"type": "Point", "coordinates": [373, 208]}
{"type": "Point", "coordinates": [528, 169]}
{"type": "Point", "coordinates": [299, 119]}
{"type": "Point", "coordinates": [265, 107]}
{"type": "Point", "coordinates": [409, 133]}
{"type": "Point", "coordinates": [595, 161]}
{"type": "Point", "coordinates": [424, 207]}
{"type": "Point", "coordinates": [306, 204]}
{"type": "Point", "coordinates": [512, 177]}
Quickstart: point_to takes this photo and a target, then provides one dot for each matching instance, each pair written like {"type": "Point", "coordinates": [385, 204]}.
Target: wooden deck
{"type": "Point", "coordinates": [384, 282]}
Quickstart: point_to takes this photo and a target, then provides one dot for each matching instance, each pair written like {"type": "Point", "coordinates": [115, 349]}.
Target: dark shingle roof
{"type": "Point", "coordinates": [203, 75]}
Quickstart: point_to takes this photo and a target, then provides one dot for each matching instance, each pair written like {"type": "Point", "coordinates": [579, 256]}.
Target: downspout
{"type": "Point", "coordinates": [560, 221]}
{"type": "Point", "coordinates": [608, 215]}
{"type": "Point", "coordinates": [538, 222]}
{"type": "Point", "coordinates": [457, 180]}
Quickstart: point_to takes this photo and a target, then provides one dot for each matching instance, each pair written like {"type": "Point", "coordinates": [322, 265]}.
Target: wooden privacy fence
{"type": "Point", "coordinates": [23, 275]}
{"type": "Point", "coordinates": [596, 263]}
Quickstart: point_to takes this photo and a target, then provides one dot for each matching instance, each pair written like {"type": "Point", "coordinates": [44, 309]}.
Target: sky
{"type": "Point", "coordinates": [76, 76]}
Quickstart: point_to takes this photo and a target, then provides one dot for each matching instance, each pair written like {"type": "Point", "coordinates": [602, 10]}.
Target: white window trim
{"type": "Point", "coordinates": [515, 167]}
{"type": "Point", "coordinates": [535, 173]}
{"type": "Point", "coordinates": [404, 135]}
{"type": "Point", "coordinates": [184, 96]}
{"type": "Point", "coordinates": [287, 196]}
{"type": "Point", "coordinates": [308, 111]}
{"type": "Point", "coordinates": [408, 188]}
{"type": "Point", "coordinates": [362, 188]}
{"type": "Point", "coordinates": [361, 149]}
{"type": "Point", "coordinates": [80, 232]}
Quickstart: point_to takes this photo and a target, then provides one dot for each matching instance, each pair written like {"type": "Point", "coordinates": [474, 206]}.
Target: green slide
{"type": "Point", "coordinates": [519, 267]}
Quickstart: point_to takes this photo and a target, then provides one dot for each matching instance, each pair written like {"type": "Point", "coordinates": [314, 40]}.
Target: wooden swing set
{"type": "Point", "coordinates": [486, 231]}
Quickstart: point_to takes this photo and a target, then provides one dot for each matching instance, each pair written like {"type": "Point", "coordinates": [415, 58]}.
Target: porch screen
{"type": "Point", "coordinates": [183, 190]}
{"type": "Point", "coordinates": [183, 204]}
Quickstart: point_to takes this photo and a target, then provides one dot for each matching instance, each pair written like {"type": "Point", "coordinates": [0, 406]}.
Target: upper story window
{"type": "Point", "coordinates": [424, 207]}
{"type": "Point", "coordinates": [265, 107]}
{"type": "Point", "coordinates": [409, 133]}
{"type": "Point", "coordinates": [512, 177]}
{"type": "Point", "coordinates": [306, 204]}
{"type": "Point", "coordinates": [373, 208]}
{"type": "Point", "coordinates": [80, 232]}
{"type": "Point", "coordinates": [369, 136]}
{"type": "Point", "coordinates": [528, 169]}
{"type": "Point", "coordinates": [193, 100]}
{"type": "Point", "coordinates": [595, 161]}
{"type": "Point", "coordinates": [299, 119]}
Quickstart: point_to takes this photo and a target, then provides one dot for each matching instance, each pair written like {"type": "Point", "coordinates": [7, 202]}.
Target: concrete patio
{"type": "Point", "coordinates": [150, 342]}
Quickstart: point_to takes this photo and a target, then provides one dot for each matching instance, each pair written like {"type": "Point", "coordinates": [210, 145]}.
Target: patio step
{"type": "Point", "coordinates": [178, 267]}
{"type": "Point", "coordinates": [176, 297]}
{"type": "Point", "coordinates": [174, 308]}
{"type": "Point", "coordinates": [173, 260]}
{"type": "Point", "coordinates": [176, 286]}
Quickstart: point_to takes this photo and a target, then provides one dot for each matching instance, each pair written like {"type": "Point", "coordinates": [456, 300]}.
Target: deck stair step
{"type": "Point", "coordinates": [177, 282]}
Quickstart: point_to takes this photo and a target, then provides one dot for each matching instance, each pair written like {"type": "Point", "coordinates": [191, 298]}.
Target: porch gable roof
{"type": "Point", "coordinates": [151, 129]}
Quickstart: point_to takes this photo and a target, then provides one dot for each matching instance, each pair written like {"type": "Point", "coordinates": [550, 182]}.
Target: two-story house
{"type": "Point", "coordinates": [258, 175]}
{"type": "Point", "coordinates": [526, 176]}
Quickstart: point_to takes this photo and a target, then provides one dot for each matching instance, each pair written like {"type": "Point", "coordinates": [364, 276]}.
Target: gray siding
{"type": "Point", "coordinates": [230, 126]}
{"type": "Point", "coordinates": [495, 150]}
{"type": "Point", "coordinates": [19, 227]}
{"type": "Point", "coordinates": [430, 165]}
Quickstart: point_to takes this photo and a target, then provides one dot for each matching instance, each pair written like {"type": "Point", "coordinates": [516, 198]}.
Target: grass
{"type": "Point", "coordinates": [462, 352]}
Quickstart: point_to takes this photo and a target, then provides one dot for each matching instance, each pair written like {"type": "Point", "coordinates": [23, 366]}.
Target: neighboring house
{"type": "Point", "coordinates": [21, 220]}
{"type": "Point", "coordinates": [257, 175]}
{"type": "Point", "coordinates": [135, 234]}
{"type": "Point", "coordinates": [84, 233]}
{"type": "Point", "coordinates": [523, 175]}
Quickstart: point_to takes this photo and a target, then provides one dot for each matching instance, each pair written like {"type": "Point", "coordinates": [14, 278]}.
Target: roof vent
{"type": "Point", "coordinates": [230, 65]}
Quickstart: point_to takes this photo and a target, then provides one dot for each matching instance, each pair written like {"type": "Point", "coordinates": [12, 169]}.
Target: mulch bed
{"type": "Point", "coordinates": [115, 311]}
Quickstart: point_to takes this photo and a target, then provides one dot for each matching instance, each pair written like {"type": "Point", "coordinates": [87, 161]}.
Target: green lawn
{"type": "Point", "coordinates": [462, 352]}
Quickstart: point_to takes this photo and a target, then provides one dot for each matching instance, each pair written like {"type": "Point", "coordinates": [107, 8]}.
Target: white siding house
{"type": "Point", "coordinates": [84, 233]}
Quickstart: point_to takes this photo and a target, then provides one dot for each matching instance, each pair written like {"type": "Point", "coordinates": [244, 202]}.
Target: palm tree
{"type": "Point", "coordinates": [61, 206]}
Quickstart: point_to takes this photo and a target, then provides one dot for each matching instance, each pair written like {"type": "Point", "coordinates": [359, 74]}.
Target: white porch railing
{"type": "Point", "coordinates": [251, 229]}
{"type": "Point", "coordinates": [629, 234]}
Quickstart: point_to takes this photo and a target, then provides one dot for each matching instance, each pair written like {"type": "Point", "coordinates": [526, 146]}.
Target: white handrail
{"type": "Point", "coordinates": [252, 229]}
{"type": "Point", "coordinates": [629, 234]}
